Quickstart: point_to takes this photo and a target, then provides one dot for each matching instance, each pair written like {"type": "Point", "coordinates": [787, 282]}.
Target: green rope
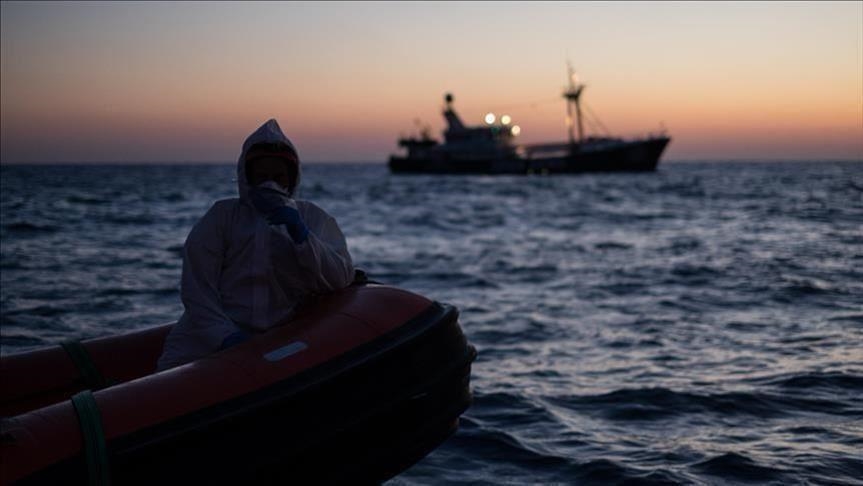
{"type": "Point", "coordinates": [86, 368]}
{"type": "Point", "coordinates": [93, 436]}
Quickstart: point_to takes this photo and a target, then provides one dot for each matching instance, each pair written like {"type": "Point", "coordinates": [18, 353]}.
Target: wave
{"type": "Point", "coordinates": [739, 467]}
{"type": "Point", "coordinates": [690, 270]}
{"type": "Point", "coordinates": [650, 404]}
{"type": "Point", "coordinates": [612, 245]}
{"type": "Point", "coordinates": [825, 380]}
{"type": "Point", "coordinates": [45, 310]}
{"type": "Point", "coordinates": [804, 287]}
{"type": "Point", "coordinates": [142, 291]}
{"type": "Point", "coordinates": [504, 446]}
{"type": "Point", "coordinates": [455, 279]}
{"type": "Point", "coordinates": [511, 408]}
{"type": "Point", "coordinates": [12, 340]}
{"type": "Point", "coordinates": [131, 219]}
{"type": "Point", "coordinates": [682, 245]}
{"type": "Point", "coordinates": [621, 289]}
{"type": "Point", "coordinates": [739, 326]}
{"type": "Point", "coordinates": [24, 227]}
{"type": "Point", "coordinates": [606, 471]}
{"type": "Point", "coordinates": [517, 457]}
{"type": "Point", "coordinates": [857, 318]}
{"type": "Point", "coordinates": [175, 249]}
{"type": "Point", "coordinates": [87, 199]}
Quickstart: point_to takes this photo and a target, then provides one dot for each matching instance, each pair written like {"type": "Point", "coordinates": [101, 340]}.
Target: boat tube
{"type": "Point", "coordinates": [359, 386]}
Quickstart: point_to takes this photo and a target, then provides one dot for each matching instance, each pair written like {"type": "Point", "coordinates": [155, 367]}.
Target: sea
{"type": "Point", "coordinates": [702, 324]}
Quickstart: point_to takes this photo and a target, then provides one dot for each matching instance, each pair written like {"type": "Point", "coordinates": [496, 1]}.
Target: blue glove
{"type": "Point", "coordinates": [271, 205]}
{"type": "Point", "coordinates": [234, 339]}
{"type": "Point", "coordinates": [290, 217]}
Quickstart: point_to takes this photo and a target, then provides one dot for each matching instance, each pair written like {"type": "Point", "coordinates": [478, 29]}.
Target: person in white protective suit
{"type": "Point", "coordinates": [249, 261]}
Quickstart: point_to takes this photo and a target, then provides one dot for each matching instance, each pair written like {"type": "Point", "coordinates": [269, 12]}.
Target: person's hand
{"type": "Point", "coordinates": [284, 215]}
{"type": "Point", "coordinates": [234, 339]}
{"type": "Point", "coordinates": [290, 217]}
{"type": "Point", "coordinates": [279, 210]}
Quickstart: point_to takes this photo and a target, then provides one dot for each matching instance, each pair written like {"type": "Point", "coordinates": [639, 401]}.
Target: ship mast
{"type": "Point", "coordinates": [572, 94]}
{"type": "Point", "coordinates": [452, 119]}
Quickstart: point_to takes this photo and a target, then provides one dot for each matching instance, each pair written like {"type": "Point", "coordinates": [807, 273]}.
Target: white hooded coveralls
{"type": "Point", "coordinates": [239, 272]}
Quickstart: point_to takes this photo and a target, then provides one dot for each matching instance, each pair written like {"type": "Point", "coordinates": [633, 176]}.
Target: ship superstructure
{"type": "Point", "coordinates": [491, 149]}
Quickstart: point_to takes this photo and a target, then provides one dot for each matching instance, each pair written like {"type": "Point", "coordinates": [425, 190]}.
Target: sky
{"type": "Point", "coordinates": [187, 82]}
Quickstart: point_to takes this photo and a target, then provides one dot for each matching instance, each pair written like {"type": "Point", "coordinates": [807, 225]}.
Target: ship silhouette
{"type": "Point", "coordinates": [491, 149]}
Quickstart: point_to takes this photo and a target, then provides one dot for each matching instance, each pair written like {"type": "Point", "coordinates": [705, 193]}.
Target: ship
{"type": "Point", "coordinates": [492, 148]}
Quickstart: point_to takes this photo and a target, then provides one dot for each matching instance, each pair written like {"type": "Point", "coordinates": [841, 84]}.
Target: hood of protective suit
{"type": "Point", "coordinates": [269, 133]}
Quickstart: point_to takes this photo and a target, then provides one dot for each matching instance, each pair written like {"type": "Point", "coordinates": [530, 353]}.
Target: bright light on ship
{"type": "Point", "coordinates": [505, 119]}
{"type": "Point", "coordinates": [515, 129]}
{"type": "Point", "coordinates": [489, 118]}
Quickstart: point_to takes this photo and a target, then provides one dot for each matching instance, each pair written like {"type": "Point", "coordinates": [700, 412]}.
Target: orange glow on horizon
{"type": "Point", "coordinates": [788, 82]}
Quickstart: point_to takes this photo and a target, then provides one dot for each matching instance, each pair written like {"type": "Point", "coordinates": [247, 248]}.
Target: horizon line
{"type": "Point", "coordinates": [378, 162]}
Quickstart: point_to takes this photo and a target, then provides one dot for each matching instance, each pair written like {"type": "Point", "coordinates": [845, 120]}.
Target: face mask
{"type": "Point", "coordinates": [273, 186]}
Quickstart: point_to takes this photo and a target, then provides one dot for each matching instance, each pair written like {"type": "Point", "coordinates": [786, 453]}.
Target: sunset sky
{"type": "Point", "coordinates": [176, 82]}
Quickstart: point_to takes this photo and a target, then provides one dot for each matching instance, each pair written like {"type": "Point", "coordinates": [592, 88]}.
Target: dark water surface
{"type": "Point", "coordinates": [703, 324]}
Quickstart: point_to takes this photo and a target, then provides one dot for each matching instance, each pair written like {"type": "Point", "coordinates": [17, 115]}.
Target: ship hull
{"type": "Point", "coordinates": [634, 156]}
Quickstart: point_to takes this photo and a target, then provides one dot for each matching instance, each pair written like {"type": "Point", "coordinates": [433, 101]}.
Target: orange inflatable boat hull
{"type": "Point", "coordinates": [359, 386]}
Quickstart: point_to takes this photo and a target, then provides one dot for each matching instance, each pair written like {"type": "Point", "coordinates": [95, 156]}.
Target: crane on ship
{"type": "Point", "coordinates": [572, 93]}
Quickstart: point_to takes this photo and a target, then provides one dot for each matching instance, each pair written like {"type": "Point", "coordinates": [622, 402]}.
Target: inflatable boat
{"type": "Point", "coordinates": [358, 387]}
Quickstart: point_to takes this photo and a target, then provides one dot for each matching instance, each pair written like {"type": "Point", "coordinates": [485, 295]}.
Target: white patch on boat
{"type": "Point", "coordinates": [285, 351]}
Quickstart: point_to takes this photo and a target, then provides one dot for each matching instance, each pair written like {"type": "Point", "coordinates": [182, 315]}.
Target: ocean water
{"type": "Point", "coordinates": [698, 325]}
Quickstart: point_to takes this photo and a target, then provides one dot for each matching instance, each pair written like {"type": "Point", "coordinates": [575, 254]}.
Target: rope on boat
{"type": "Point", "coordinates": [93, 437]}
{"type": "Point", "coordinates": [84, 363]}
